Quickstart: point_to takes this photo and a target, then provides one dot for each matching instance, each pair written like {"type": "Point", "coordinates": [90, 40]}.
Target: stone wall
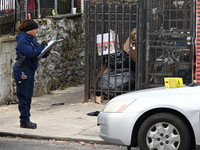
{"type": "Point", "coordinates": [7, 50]}
{"type": "Point", "coordinates": [64, 66]}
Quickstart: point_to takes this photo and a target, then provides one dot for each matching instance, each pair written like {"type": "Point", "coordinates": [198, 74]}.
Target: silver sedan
{"type": "Point", "coordinates": [153, 119]}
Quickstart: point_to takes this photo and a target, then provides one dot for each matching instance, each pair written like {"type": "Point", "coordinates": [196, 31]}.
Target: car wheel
{"type": "Point", "coordinates": [164, 131]}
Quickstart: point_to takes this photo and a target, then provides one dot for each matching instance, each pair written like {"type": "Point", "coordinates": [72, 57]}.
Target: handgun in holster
{"type": "Point", "coordinates": [21, 61]}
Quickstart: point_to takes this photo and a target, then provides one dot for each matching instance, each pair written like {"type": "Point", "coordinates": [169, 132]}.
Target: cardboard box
{"type": "Point", "coordinates": [129, 45]}
{"type": "Point", "coordinates": [96, 99]}
{"type": "Point", "coordinates": [104, 47]}
{"type": "Point", "coordinates": [102, 71]}
{"type": "Point", "coordinates": [99, 99]}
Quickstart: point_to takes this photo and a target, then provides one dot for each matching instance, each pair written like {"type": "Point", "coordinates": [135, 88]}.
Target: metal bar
{"type": "Point", "coordinates": [123, 33]}
{"type": "Point", "coordinates": [116, 30]}
{"type": "Point", "coordinates": [25, 8]}
{"type": "Point", "coordinates": [140, 48]}
{"type": "Point", "coordinates": [38, 7]}
{"type": "Point", "coordinates": [108, 56]}
{"type": "Point", "coordinates": [87, 66]}
{"type": "Point", "coordinates": [56, 6]}
{"type": "Point", "coordinates": [129, 29]}
{"type": "Point", "coordinates": [102, 32]}
{"type": "Point", "coordinates": [95, 51]}
{"type": "Point", "coordinates": [105, 10]}
{"type": "Point", "coordinates": [193, 26]}
{"type": "Point", "coordinates": [137, 48]}
{"type": "Point", "coordinates": [22, 11]}
{"type": "Point", "coordinates": [147, 44]}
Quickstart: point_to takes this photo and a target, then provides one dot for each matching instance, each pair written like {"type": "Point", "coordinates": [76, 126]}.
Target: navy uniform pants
{"type": "Point", "coordinates": [24, 78]}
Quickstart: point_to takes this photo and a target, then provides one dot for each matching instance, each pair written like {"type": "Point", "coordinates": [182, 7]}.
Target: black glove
{"type": "Point", "coordinates": [44, 43]}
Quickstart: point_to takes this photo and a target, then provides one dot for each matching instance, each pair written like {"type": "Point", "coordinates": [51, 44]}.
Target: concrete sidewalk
{"type": "Point", "coordinates": [60, 115]}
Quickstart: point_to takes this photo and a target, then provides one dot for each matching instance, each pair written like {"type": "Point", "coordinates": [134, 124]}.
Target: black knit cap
{"type": "Point", "coordinates": [28, 25]}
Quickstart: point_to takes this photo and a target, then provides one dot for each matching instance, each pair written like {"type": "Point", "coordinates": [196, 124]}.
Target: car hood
{"type": "Point", "coordinates": [185, 98]}
{"type": "Point", "coordinates": [161, 91]}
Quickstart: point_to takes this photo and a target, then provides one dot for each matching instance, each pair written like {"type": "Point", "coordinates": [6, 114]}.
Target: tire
{"type": "Point", "coordinates": [164, 131]}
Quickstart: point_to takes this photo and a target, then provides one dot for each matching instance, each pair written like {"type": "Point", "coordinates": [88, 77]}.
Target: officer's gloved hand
{"type": "Point", "coordinates": [44, 43]}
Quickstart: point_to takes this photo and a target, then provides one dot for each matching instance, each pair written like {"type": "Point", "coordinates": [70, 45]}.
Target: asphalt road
{"type": "Point", "coordinates": [10, 143]}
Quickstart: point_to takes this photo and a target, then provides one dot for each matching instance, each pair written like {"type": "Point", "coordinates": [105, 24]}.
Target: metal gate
{"type": "Point", "coordinates": [163, 45]}
{"type": "Point", "coordinates": [169, 41]}
{"type": "Point", "coordinates": [109, 69]}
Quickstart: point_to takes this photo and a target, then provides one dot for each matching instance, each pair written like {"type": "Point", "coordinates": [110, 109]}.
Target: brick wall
{"type": "Point", "coordinates": [198, 41]}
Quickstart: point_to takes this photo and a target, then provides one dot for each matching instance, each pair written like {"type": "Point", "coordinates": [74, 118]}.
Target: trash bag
{"type": "Point", "coordinates": [121, 59]}
{"type": "Point", "coordinates": [117, 81]}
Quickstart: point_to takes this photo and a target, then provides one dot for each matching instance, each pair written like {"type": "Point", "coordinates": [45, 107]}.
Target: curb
{"type": "Point", "coordinates": [38, 137]}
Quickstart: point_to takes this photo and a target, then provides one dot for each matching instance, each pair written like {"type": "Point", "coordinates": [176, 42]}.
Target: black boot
{"type": "Point", "coordinates": [28, 125]}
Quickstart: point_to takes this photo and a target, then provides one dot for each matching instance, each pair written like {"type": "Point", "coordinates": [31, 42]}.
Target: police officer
{"type": "Point", "coordinates": [27, 50]}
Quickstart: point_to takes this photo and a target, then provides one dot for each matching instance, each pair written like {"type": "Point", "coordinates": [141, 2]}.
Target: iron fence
{"type": "Point", "coordinates": [164, 45]}
{"type": "Point", "coordinates": [12, 11]}
{"type": "Point", "coordinates": [170, 46]}
{"type": "Point", "coordinates": [7, 17]}
{"type": "Point", "coordinates": [43, 8]}
{"type": "Point", "coordinates": [110, 71]}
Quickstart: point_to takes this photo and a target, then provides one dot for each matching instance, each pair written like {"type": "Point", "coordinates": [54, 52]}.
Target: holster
{"type": "Point", "coordinates": [21, 62]}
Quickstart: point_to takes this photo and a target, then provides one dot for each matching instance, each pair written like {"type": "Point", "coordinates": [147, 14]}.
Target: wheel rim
{"type": "Point", "coordinates": [163, 136]}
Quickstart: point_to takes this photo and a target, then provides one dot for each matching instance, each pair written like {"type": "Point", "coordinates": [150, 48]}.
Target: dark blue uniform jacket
{"type": "Point", "coordinates": [27, 45]}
